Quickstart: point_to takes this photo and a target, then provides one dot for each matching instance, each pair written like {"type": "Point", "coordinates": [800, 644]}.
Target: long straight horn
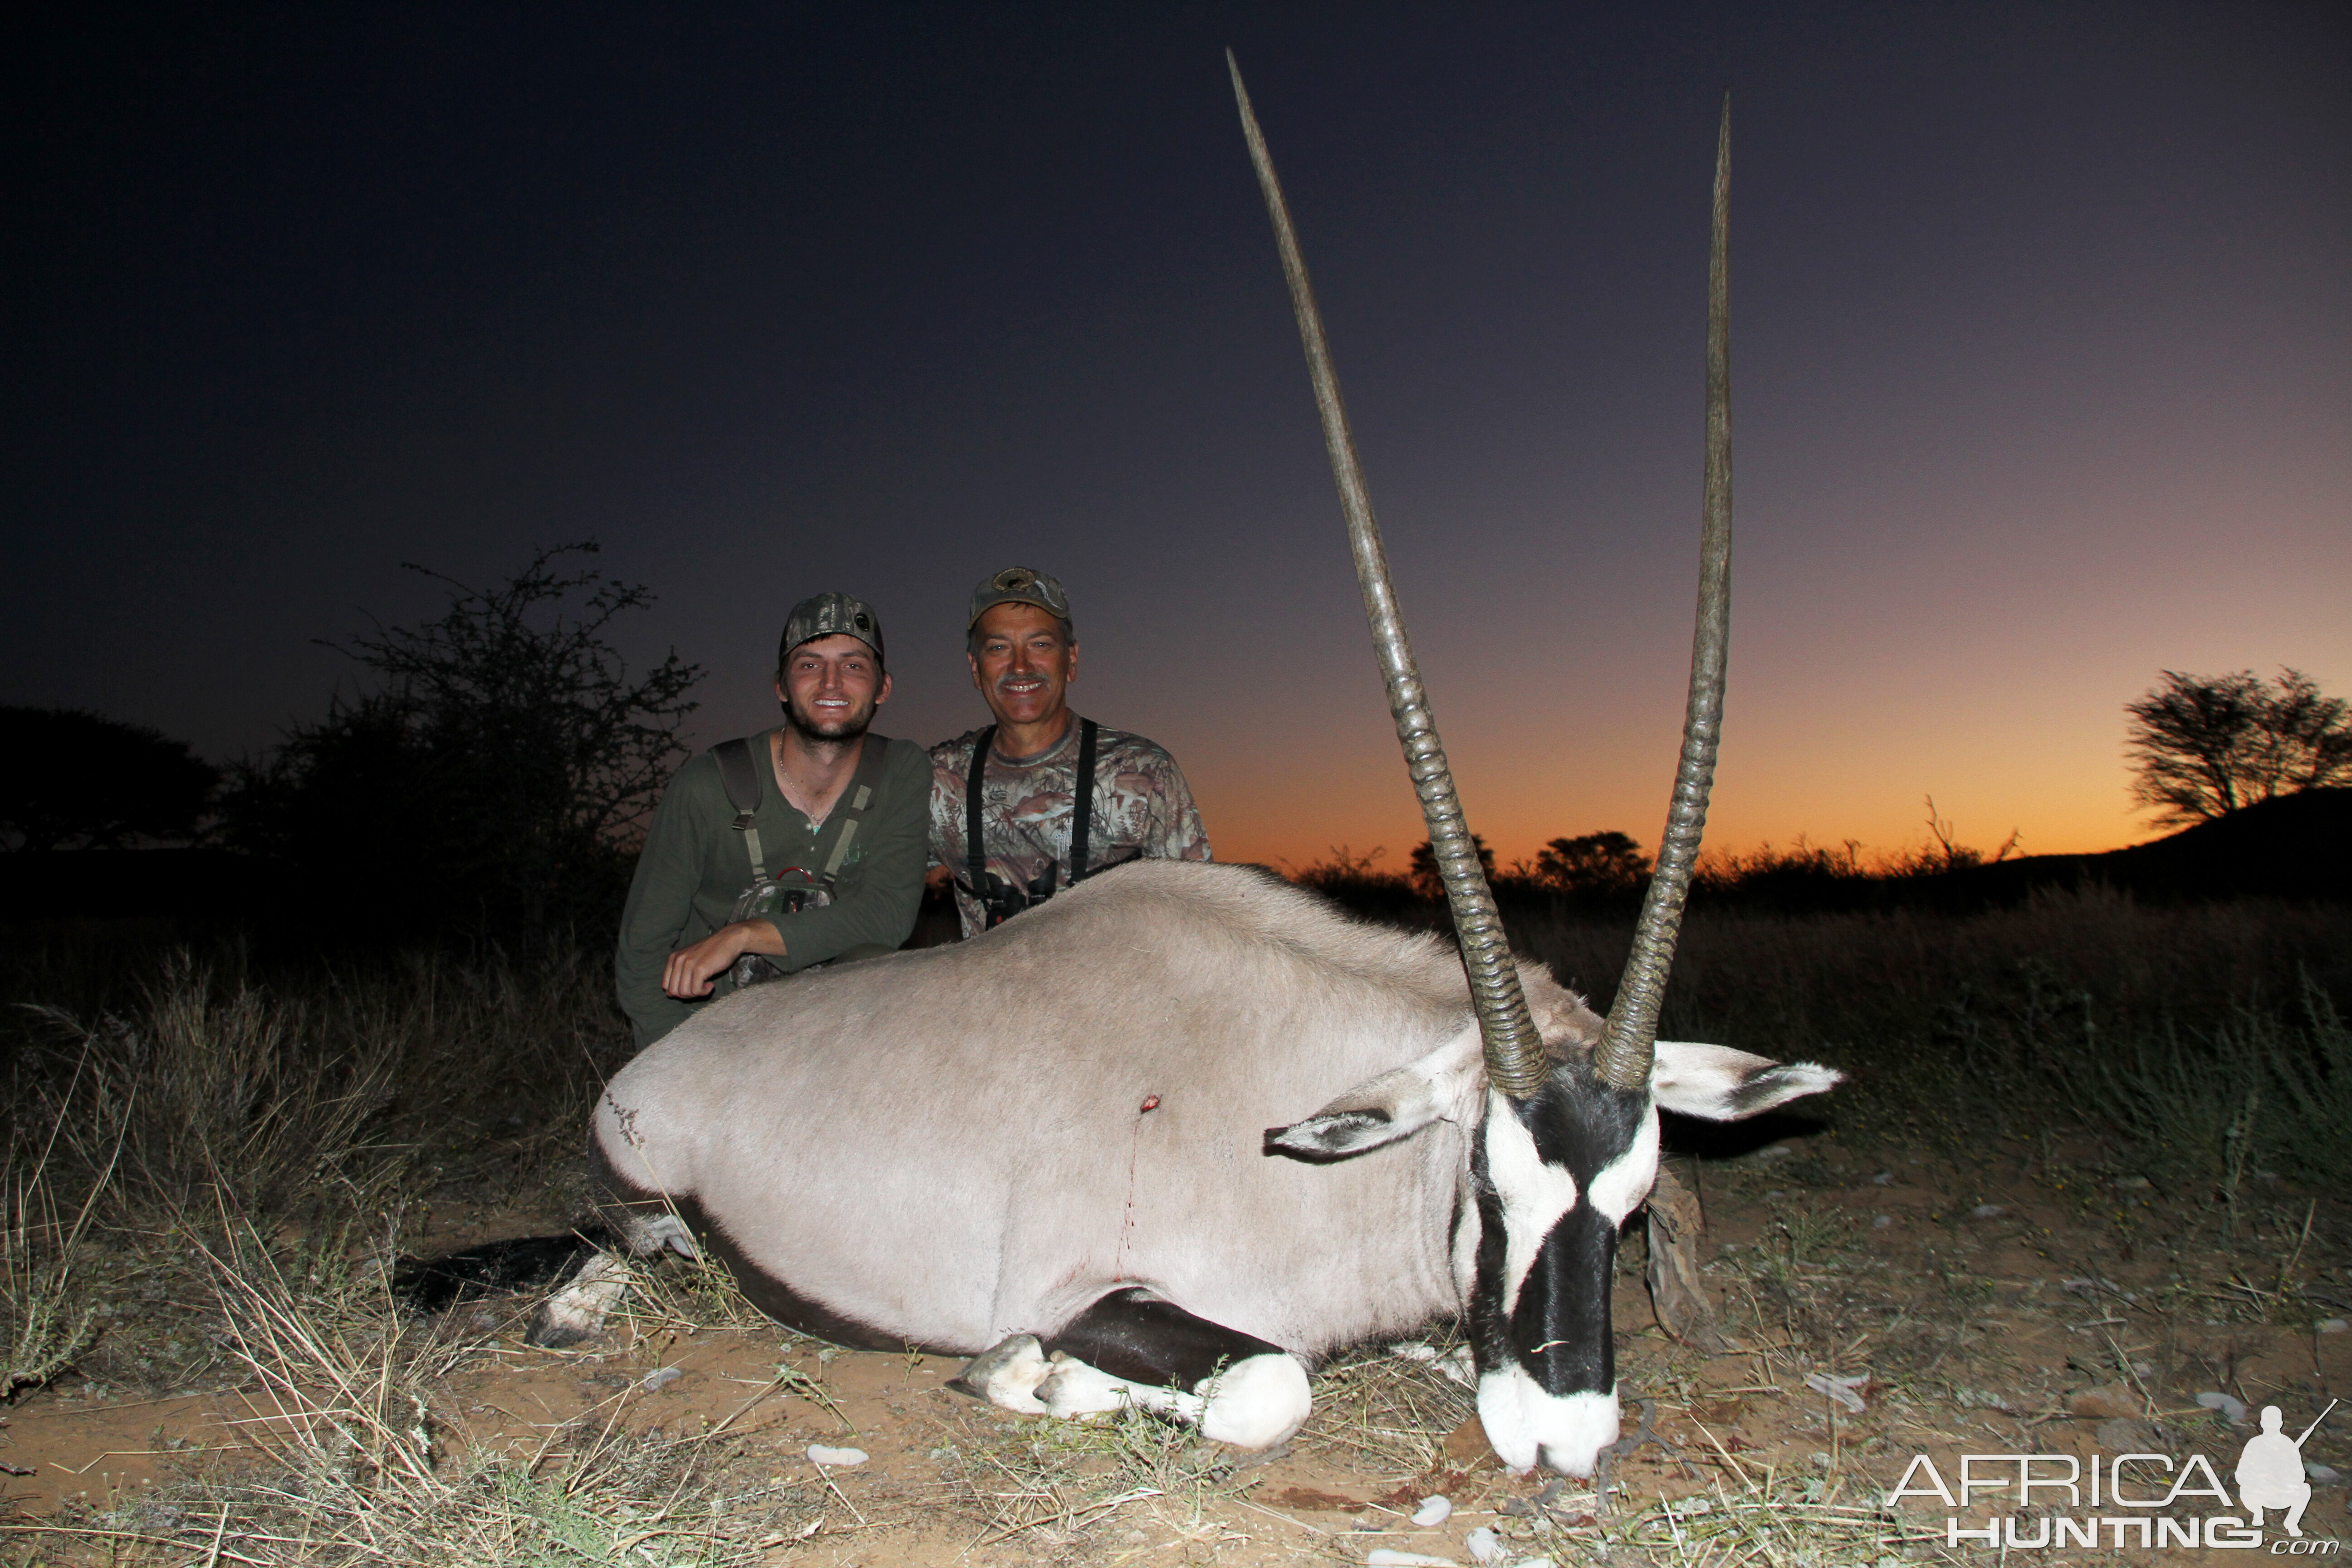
{"type": "Point", "coordinates": [1514, 1055]}
{"type": "Point", "coordinates": [1626, 1048]}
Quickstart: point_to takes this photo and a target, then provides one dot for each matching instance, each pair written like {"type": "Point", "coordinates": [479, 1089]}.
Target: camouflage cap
{"type": "Point", "coordinates": [827, 614]}
{"type": "Point", "coordinates": [1019, 585]}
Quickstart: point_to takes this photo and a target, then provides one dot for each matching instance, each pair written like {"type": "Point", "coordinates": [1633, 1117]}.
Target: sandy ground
{"type": "Point", "coordinates": [2030, 1306]}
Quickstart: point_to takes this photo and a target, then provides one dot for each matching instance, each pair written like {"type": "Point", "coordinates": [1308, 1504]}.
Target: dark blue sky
{"type": "Point", "coordinates": [2043, 359]}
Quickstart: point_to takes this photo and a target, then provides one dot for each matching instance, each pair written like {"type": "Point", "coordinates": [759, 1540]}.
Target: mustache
{"type": "Point", "coordinates": [1010, 676]}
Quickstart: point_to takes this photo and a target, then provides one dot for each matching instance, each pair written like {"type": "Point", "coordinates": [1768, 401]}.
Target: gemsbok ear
{"type": "Point", "coordinates": [1445, 1084]}
{"type": "Point", "coordinates": [1719, 1084]}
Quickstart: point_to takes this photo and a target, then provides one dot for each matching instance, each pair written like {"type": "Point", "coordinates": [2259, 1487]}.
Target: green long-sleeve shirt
{"type": "Point", "coordinates": [693, 868]}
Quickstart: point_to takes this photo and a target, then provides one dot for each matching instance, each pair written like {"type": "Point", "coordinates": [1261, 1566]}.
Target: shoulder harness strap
{"type": "Point", "coordinates": [974, 853]}
{"type": "Point", "coordinates": [850, 810]}
{"type": "Point", "coordinates": [1083, 821]}
{"type": "Point", "coordinates": [742, 783]}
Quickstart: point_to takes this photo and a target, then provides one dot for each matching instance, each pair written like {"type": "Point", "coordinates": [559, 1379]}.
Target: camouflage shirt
{"type": "Point", "coordinates": [1027, 807]}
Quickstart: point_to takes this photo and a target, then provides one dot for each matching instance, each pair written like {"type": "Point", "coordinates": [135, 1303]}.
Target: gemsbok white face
{"type": "Point", "coordinates": [1552, 1177]}
{"type": "Point", "coordinates": [1073, 1148]}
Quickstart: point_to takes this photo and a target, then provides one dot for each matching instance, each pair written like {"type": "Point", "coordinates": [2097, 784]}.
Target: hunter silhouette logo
{"type": "Point", "coordinates": [2270, 1472]}
{"type": "Point", "coordinates": [2043, 1489]}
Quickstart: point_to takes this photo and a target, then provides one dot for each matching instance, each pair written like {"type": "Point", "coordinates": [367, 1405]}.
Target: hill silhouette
{"type": "Point", "coordinates": [2293, 846]}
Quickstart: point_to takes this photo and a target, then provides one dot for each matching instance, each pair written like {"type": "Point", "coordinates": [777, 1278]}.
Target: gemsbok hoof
{"type": "Point", "coordinates": [578, 1311]}
{"type": "Point", "coordinates": [1007, 1376]}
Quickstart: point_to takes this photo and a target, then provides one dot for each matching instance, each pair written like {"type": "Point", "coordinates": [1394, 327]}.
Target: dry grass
{"type": "Point", "coordinates": [211, 1174]}
{"type": "Point", "coordinates": [1811, 1521]}
{"type": "Point", "coordinates": [47, 1318]}
{"type": "Point", "coordinates": [1384, 1413]}
{"type": "Point", "coordinates": [347, 1460]}
{"type": "Point", "coordinates": [1060, 1482]}
{"type": "Point", "coordinates": [2149, 1023]}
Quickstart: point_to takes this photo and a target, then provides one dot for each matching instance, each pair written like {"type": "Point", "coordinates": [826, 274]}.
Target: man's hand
{"type": "Point", "coordinates": [690, 969]}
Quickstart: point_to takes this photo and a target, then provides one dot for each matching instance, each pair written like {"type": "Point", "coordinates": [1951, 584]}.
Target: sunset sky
{"type": "Point", "coordinates": [2042, 369]}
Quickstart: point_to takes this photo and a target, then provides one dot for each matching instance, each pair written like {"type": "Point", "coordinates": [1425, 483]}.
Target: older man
{"type": "Point", "coordinates": [1041, 798]}
{"type": "Point", "coordinates": [798, 846]}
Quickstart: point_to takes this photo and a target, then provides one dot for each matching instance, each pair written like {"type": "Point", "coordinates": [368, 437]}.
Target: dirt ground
{"type": "Point", "coordinates": [2036, 1301]}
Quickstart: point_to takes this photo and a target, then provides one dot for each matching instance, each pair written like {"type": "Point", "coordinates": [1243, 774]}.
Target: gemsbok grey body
{"type": "Point", "coordinates": [969, 1145]}
{"type": "Point", "coordinates": [1169, 1137]}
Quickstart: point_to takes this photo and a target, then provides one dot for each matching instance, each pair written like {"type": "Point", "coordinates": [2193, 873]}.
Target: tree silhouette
{"type": "Point", "coordinates": [71, 780]}
{"type": "Point", "coordinates": [501, 771]}
{"type": "Point", "coordinates": [2205, 745]}
{"type": "Point", "coordinates": [1592, 863]}
{"type": "Point", "coordinates": [1425, 878]}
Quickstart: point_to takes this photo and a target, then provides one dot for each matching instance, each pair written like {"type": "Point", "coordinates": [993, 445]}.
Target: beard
{"type": "Point", "coordinates": [832, 732]}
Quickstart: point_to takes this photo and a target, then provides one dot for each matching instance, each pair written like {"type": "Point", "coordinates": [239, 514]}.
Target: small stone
{"type": "Point", "coordinates": [2323, 1473]}
{"type": "Point", "coordinates": [2230, 1410]}
{"type": "Point", "coordinates": [1484, 1543]}
{"type": "Point", "coordinates": [1386, 1557]}
{"type": "Point", "coordinates": [836, 1458]}
{"type": "Point", "coordinates": [662, 1378]}
{"type": "Point", "coordinates": [1845, 1391]}
{"type": "Point", "coordinates": [2132, 1183]}
{"type": "Point", "coordinates": [1987, 1211]}
{"type": "Point", "coordinates": [2109, 1402]}
{"type": "Point", "coordinates": [2331, 1326]}
{"type": "Point", "coordinates": [1884, 1179]}
{"type": "Point", "coordinates": [1432, 1512]}
{"type": "Point", "coordinates": [1880, 1221]}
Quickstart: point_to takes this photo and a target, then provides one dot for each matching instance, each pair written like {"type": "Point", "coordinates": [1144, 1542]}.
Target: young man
{"type": "Point", "coordinates": [830, 813]}
{"type": "Point", "coordinates": [1059, 797]}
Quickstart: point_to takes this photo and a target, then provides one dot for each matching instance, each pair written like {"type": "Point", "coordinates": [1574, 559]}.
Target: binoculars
{"type": "Point", "coordinates": [999, 901]}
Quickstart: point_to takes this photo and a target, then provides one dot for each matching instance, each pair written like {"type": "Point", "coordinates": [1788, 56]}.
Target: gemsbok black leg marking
{"type": "Point", "coordinates": [519, 1263]}
{"type": "Point", "coordinates": [1135, 1335]}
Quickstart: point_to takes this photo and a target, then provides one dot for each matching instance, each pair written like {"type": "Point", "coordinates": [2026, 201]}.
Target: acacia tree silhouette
{"type": "Point", "coordinates": [2205, 745]}
{"type": "Point", "coordinates": [499, 774]}
{"type": "Point", "coordinates": [71, 780]}
{"type": "Point", "coordinates": [1608, 862]}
